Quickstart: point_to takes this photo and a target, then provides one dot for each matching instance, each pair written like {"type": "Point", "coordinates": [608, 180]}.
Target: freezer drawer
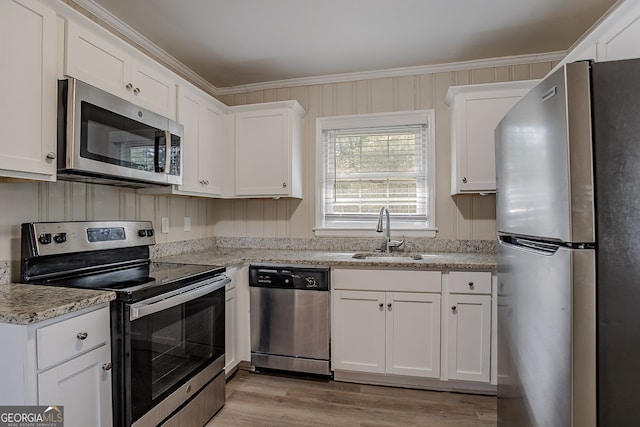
{"type": "Point", "coordinates": [547, 330]}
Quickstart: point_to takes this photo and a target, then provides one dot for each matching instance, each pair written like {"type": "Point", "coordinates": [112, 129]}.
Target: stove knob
{"type": "Point", "coordinates": [150, 232]}
{"type": "Point", "coordinates": [311, 282]}
{"type": "Point", "coordinates": [142, 233]}
{"type": "Point", "coordinates": [60, 237]}
{"type": "Point", "coordinates": [44, 238]}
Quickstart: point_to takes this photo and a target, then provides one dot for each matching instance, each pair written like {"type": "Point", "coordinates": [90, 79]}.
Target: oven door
{"type": "Point", "coordinates": [172, 339]}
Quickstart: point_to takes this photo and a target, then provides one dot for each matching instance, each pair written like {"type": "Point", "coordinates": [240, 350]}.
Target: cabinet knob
{"type": "Point", "coordinates": [454, 309]}
{"type": "Point", "coordinates": [136, 91]}
{"type": "Point", "coordinates": [464, 179]}
{"type": "Point", "coordinates": [284, 185]}
{"type": "Point", "coordinates": [82, 336]}
{"type": "Point", "coordinates": [471, 284]}
{"type": "Point", "coordinates": [51, 156]}
{"type": "Point", "coordinates": [129, 86]}
{"type": "Point", "coordinates": [389, 306]}
{"type": "Point", "coordinates": [381, 305]}
{"type": "Point", "coordinates": [107, 366]}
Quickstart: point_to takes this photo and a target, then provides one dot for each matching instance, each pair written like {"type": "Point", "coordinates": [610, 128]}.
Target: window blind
{"type": "Point", "coordinates": [367, 168]}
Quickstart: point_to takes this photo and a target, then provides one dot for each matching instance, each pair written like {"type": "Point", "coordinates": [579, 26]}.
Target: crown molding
{"type": "Point", "coordinates": [164, 57]}
{"type": "Point", "coordinates": [396, 72]}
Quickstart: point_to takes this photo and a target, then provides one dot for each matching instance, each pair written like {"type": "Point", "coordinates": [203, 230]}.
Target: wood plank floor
{"type": "Point", "coordinates": [261, 399]}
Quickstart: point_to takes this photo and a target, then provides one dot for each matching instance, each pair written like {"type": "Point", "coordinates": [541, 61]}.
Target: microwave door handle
{"type": "Point", "coordinates": [167, 152]}
{"type": "Point", "coordinates": [154, 305]}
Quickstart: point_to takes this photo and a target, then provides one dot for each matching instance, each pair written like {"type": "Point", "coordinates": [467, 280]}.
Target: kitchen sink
{"type": "Point", "coordinates": [399, 256]}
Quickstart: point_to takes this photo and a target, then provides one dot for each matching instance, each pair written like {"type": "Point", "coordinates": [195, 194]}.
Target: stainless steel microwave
{"type": "Point", "coordinates": [104, 139]}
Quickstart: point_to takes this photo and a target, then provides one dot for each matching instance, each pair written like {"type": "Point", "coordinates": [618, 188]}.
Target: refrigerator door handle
{"type": "Point", "coordinates": [541, 248]}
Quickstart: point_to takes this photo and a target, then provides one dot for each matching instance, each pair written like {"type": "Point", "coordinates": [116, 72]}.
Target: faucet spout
{"type": "Point", "coordinates": [387, 244]}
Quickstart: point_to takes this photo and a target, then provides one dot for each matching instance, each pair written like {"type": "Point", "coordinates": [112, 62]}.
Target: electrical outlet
{"type": "Point", "coordinates": [187, 223]}
{"type": "Point", "coordinates": [164, 229]}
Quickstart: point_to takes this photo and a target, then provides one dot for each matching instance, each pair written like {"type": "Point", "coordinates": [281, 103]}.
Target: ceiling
{"type": "Point", "coordinates": [239, 42]}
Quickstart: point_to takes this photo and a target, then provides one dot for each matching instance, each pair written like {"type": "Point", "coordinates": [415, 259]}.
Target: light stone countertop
{"type": "Point", "coordinates": [438, 261]}
{"type": "Point", "coordinates": [23, 304]}
{"type": "Point", "coordinates": [26, 304]}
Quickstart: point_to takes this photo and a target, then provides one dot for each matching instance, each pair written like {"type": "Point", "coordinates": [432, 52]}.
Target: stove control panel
{"type": "Point", "coordinates": [50, 238]}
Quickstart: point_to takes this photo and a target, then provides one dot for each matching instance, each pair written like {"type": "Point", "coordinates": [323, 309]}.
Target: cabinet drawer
{"type": "Point", "coordinates": [61, 341]}
{"type": "Point", "coordinates": [470, 282]}
{"type": "Point", "coordinates": [386, 280]}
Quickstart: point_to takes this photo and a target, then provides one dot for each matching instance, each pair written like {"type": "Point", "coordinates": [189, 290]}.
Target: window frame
{"type": "Point", "coordinates": [348, 228]}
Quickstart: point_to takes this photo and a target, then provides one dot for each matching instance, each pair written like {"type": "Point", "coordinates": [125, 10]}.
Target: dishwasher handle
{"type": "Point", "coordinates": [177, 297]}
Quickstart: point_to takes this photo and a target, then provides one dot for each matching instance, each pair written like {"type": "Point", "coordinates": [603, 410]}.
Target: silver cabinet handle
{"type": "Point", "coordinates": [136, 91]}
{"type": "Point", "coordinates": [82, 336]}
{"type": "Point", "coordinates": [51, 156]}
{"type": "Point", "coordinates": [107, 366]}
{"type": "Point", "coordinates": [129, 86]}
{"type": "Point", "coordinates": [464, 179]}
{"type": "Point", "coordinates": [284, 185]}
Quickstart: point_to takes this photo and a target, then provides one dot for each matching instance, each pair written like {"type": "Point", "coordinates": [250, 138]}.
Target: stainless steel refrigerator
{"type": "Point", "coordinates": [568, 220]}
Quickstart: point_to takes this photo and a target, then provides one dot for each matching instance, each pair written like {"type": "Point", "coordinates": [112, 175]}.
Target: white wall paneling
{"type": "Point", "coordinates": [458, 217]}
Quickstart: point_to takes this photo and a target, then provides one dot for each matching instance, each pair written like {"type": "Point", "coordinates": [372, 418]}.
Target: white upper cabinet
{"type": "Point", "coordinates": [100, 59]}
{"type": "Point", "coordinates": [268, 150]}
{"type": "Point", "coordinates": [614, 38]}
{"type": "Point", "coordinates": [475, 112]}
{"type": "Point", "coordinates": [203, 151]}
{"type": "Point", "coordinates": [620, 39]}
{"type": "Point", "coordinates": [28, 34]}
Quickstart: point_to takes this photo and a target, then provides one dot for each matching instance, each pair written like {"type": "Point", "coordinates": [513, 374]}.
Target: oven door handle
{"type": "Point", "coordinates": [175, 298]}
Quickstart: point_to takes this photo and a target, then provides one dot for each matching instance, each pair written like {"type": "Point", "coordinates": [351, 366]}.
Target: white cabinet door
{"type": "Point", "coordinates": [620, 35]}
{"type": "Point", "coordinates": [154, 88]}
{"type": "Point", "coordinates": [105, 62]}
{"type": "Point", "coordinates": [358, 339]}
{"type": "Point", "coordinates": [413, 334]}
{"type": "Point", "coordinates": [97, 60]}
{"type": "Point", "coordinates": [231, 330]}
{"type": "Point", "coordinates": [202, 146]}
{"type": "Point", "coordinates": [28, 66]}
{"type": "Point", "coordinates": [202, 163]}
{"type": "Point", "coordinates": [262, 153]}
{"type": "Point", "coordinates": [268, 149]}
{"type": "Point", "coordinates": [475, 112]}
{"type": "Point", "coordinates": [469, 336]}
{"type": "Point", "coordinates": [83, 386]}
{"type": "Point", "coordinates": [210, 159]}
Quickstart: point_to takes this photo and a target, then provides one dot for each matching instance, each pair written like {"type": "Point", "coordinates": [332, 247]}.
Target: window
{"type": "Point", "coordinates": [369, 161]}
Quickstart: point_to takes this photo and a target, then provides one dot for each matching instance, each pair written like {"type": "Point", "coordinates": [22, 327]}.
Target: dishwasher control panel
{"type": "Point", "coordinates": [289, 277]}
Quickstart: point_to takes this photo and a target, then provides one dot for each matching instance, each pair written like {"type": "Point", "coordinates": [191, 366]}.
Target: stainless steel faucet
{"type": "Point", "coordinates": [387, 243]}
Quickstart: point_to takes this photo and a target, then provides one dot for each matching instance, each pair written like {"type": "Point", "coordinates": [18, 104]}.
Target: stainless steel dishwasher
{"type": "Point", "coordinates": [290, 318]}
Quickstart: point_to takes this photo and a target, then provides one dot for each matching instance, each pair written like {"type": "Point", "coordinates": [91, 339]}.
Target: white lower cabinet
{"type": "Point", "coordinates": [62, 361]}
{"type": "Point", "coordinates": [426, 329]}
{"type": "Point", "coordinates": [469, 320]}
{"type": "Point", "coordinates": [359, 331]}
{"type": "Point", "coordinates": [376, 332]}
{"type": "Point", "coordinates": [380, 332]}
{"type": "Point", "coordinates": [83, 386]}
{"type": "Point", "coordinates": [231, 330]}
{"type": "Point", "coordinates": [413, 334]}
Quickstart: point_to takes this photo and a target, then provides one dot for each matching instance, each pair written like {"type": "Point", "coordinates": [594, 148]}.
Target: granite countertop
{"type": "Point", "coordinates": [26, 304]}
{"type": "Point", "coordinates": [232, 256]}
